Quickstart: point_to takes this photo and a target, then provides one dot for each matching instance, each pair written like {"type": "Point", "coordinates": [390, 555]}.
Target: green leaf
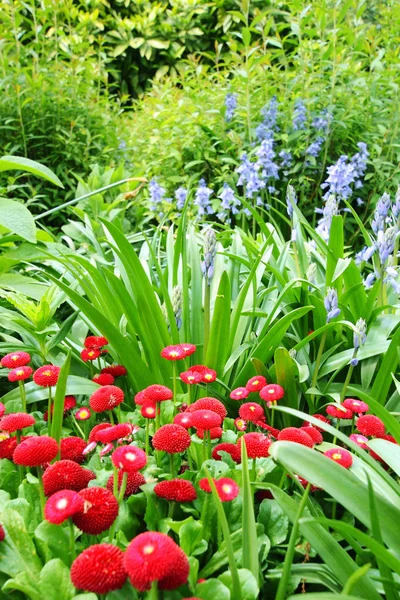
{"type": "Point", "coordinates": [246, 36]}
{"type": "Point", "coordinates": [55, 582]}
{"type": "Point", "coordinates": [276, 524]}
{"type": "Point", "coordinates": [55, 537]}
{"type": "Point", "coordinates": [213, 589]}
{"type": "Point", "coordinates": [20, 163]}
{"type": "Point", "coordinates": [59, 398]}
{"type": "Point", "coordinates": [285, 376]}
{"type": "Point", "coordinates": [388, 451]}
{"type": "Point", "coordinates": [190, 536]}
{"type": "Point", "coordinates": [324, 596]}
{"type": "Point", "coordinates": [335, 246]}
{"type": "Point", "coordinates": [15, 217]}
{"type": "Point", "coordinates": [217, 353]}
{"type": "Point", "coordinates": [383, 381]}
{"type": "Point", "coordinates": [250, 549]}
{"type": "Point", "coordinates": [18, 553]}
{"type": "Point", "coordinates": [75, 386]}
{"type": "Point", "coordinates": [248, 584]}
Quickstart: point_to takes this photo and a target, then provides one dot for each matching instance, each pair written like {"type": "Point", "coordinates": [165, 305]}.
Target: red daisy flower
{"type": "Point", "coordinates": [240, 424]}
{"type": "Point", "coordinates": [153, 556]}
{"type": "Point", "coordinates": [256, 383]}
{"type": "Point", "coordinates": [321, 418]}
{"type": "Point", "coordinates": [100, 512]}
{"type": "Point", "coordinates": [304, 483]}
{"type": "Point", "coordinates": [95, 341]}
{"type": "Point", "coordinates": [215, 433]}
{"type": "Point", "coordinates": [15, 359]}
{"type": "Point", "coordinates": [257, 445]}
{"type": "Point", "coordinates": [339, 411]}
{"type": "Point", "coordinates": [272, 392]}
{"type": "Point", "coordinates": [16, 422]}
{"type": "Point", "coordinates": [157, 393]}
{"type": "Point", "coordinates": [189, 349]}
{"type": "Point", "coordinates": [96, 429]}
{"type": "Point", "coordinates": [46, 376]}
{"type": "Point", "coordinates": [129, 458]}
{"type": "Point", "coordinates": [360, 440]}
{"type": "Point", "coordinates": [82, 414]}
{"type": "Point", "coordinates": [106, 398]}
{"type": "Point", "coordinates": [103, 379]}
{"type": "Point", "coordinates": [173, 352]}
{"type": "Point", "coordinates": [62, 505]}
{"type": "Point", "coordinates": [69, 403]}
{"type": "Point", "coordinates": [35, 451]}
{"type": "Point", "coordinates": [314, 434]}
{"type": "Point", "coordinates": [148, 411]}
{"type": "Point", "coordinates": [341, 456]}
{"type": "Point", "coordinates": [208, 375]}
{"type": "Point", "coordinates": [191, 377]}
{"type": "Point", "coordinates": [141, 398]}
{"type": "Point", "coordinates": [299, 436]}
{"type": "Point", "coordinates": [172, 439]}
{"type": "Point", "coordinates": [133, 482]}
{"type": "Point", "coordinates": [66, 475]}
{"type": "Point", "coordinates": [239, 393]}
{"type": "Point", "coordinates": [274, 432]}
{"type": "Point", "coordinates": [20, 374]}
{"type": "Point", "coordinates": [2, 533]}
{"type": "Point", "coordinates": [115, 370]}
{"type": "Point", "coordinates": [227, 489]}
{"type": "Point", "coordinates": [90, 354]}
{"type": "Point", "coordinates": [209, 404]}
{"type": "Point", "coordinates": [2, 409]}
{"type": "Point", "coordinates": [231, 449]}
{"type": "Point", "coordinates": [204, 485]}
{"type": "Point", "coordinates": [113, 433]}
{"type": "Point", "coordinates": [176, 490]}
{"type": "Point", "coordinates": [389, 438]}
{"type": "Point", "coordinates": [251, 411]}
{"type": "Point", "coordinates": [184, 419]}
{"type": "Point", "coordinates": [205, 419]}
{"type": "Point", "coordinates": [71, 448]}
{"type": "Point", "coordinates": [8, 446]}
{"type": "Point", "coordinates": [99, 569]}
{"type": "Point", "coordinates": [356, 406]}
{"type": "Point", "coordinates": [370, 425]}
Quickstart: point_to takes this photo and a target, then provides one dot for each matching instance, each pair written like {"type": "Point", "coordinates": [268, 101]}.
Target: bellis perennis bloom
{"type": "Point", "coordinates": [171, 438]}
{"type": "Point", "coordinates": [62, 505]}
{"type": "Point", "coordinates": [341, 456]}
{"type": "Point", "coordinates": [15, 359]}
{"type": "Point", "coordinates": [272, 392]}
{"type": "Point", "coordinates": [239, 393]}
{"type": "Point", "coordinates": [129, 458]}
{"type": "Point", "coordinates": [99, 569]}
{"type": "Point", "coordinates": [46, 376]}
{"type": "Point", "coordinates": [20, 374]}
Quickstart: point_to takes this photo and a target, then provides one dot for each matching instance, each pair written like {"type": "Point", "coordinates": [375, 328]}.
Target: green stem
{"type": "Point", "coordinates": [22, 394]}
{"type": "Point", "coordinates": [171, 465]}
{"type": "Point", "coordinates": [147, 446]}
{"type": "Point", "coordinates": [41, 489]}
{"type": "Point", "coordinates": [153, 593]}
{"type": "Point", "coordinates": [171, 509]}
{"type": "Point", "coordinates": [49, 412]}
{"type": "Point", "coordinates": [72, 549]}
{"type": "Point", "coordinates": [119, 415]}
{"type": "Point", "coordinates": [204, 447]}
{"type": "Point", "coordinates": [347, 380]}
{"type": "Point", "coordinates": [123, 488]}
{"type": "Point", "coordinates": [115, 482]}
{"type": "Point", "coordinates": [174, 377]}
{"type": "Point", "coordinates": [283, 583]}
{"type": "Point", "coordinates": [207, 312]}
{"type": "Point", "coordinates": [254, 470]}
{"type": "Point", "coordinates": [205, 516]}
{"type": "Point", "coordinates": [110, 412]}
{"type": "Point", "coordinates": [157, 416]}
{"type": "Point", "coordinates": [317, 364]}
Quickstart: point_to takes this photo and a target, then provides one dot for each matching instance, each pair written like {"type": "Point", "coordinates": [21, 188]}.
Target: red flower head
{"type": "Point", "coordinates": [356, 406]}
{"type": "Point", "coordinates": [103, 379]}
{"type": "Point", "coordinates": [272, 392]}
{"type": "Point", "coordinates": [95, 341]}
{"type": "Point", "coordinates": [15, 359]}
{"type": "Point", "coordinates": [239, 393]}
{"type": "Point", "coordinates": [257, 445]}
{"type": "Point", "coordinates": [231, 449]}
{"type": "Point", "coordinates": [191, 377]}
{"type": "Point", "coordinates": [173, 352]}
{"type": "Point", "coordinates": [2, 533]}
{"type": "Point", "coordinates": [314, 434]}
{"type": "Point", "coordinates": [99, 569]}
{"type": "Point", "coordinates": [304, 483]}
{"type": "Point", "coordinates": [184, 419]}
{"type": "Point", "coordinates": [215, 433]}
{"type": "Point", "coordinates": [256, 383]}
{"type": "Point", "coordinates": [274, 432]}
{"type": "Point", "coordinates": [71, 448]}
{"type": "Point", "coordinates": [96, 429]}
{"type": "Point", "coordinates": [209, 404]}
{"type": "Point", "coordinates": [360, 440]}
{"type": "Point", "coordinates": [321, 418]}
{"type": "Point", "coordinates": [172, 439]}
{"type": "Point", "coordinates": [157, 393]}
{"type": "Point", "coordinates": [46, 376]}
{"type": "Point", "coordinates": [153, 556]}
{"type": "Point", "coordinates": [66, 475]}
{"type": "Point", "coordinates": [141, 398]}
{"type": "Point", "coordinates": [129, 458]}
{"type": "Point", "coordinates": [100, 512]}
{"type": "Point", "coordinates": [35, 451]}
{"type": "Point", "coordinates": [176, 490]}
{"type": "Point", "coordinates": [339, 411]}
{"type": "Point", "coordinates": [82, 414]}
{"type": "Point", "coordinates": [148, 410]}
{"type": "Point", "coordinates": [133, 483]}
{"type": "Point", "coordinates": [113, 433]}
{"type": "Point", "coordinates": [2, 409]}
{"type": "Point", "coordinates": [204, 485]}
{"type": "Point", "coordinates": [340, 456]}
{"type": "Point", "coordinates": [69, 403]}
{"type": "Point", "coordinates": [251, 411]}
{"type": "Point", "coordinates": [205, 419]}
{"type": "Point", "coordinates": [90, 354]}
{"type": "Point", "coordinates": [62, 505]}
{"type": "Point", "coordinates": [189, 349]}
{"type": "Point", "coordinates": [208, 375]}
{"type": "Point", "coordinates": [106, 398]}
{"type": "Point", "coordinates": [240, 424]}
{"type": "Point", "coordinates": [227, 489]}
{"type": "Point", "coordinates": [7, 447]}
{"type": "Point", "coordinates": [20, 374]}
{"type": "Point", "coordinates": [299, 436]}
{"type": "Point", "coordinates": [115, 370]}
{"type": "Point", "coordinates": [370, 425]}
{"type": "Point", "coordinates": [16, 422]}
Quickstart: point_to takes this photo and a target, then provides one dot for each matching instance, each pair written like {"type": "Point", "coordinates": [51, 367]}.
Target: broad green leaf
{"type": "Point", "coordinates": [389, 364]}
{"type": "Point", "coordinates": [15, 217]}
{"type": "Point", "coordinates": [388, 451]}
{"type": "Point", "coordinates": [57, 540]}
{"type": "Point", "coordinates": [213, 589]}
{"type": "Point", "coordinates": [276, 524]}
{"type": "Point", "coordinates": [190, 535]}
{"type": "Point", "coordinates": [20, 163]}
{"type": "Point", "coordinates": [285, 376]}
{"type": "Point", "coordinates": [248, 584]}
{"type": "Point", "coordinates": [55, 582]}
{"type": "Point", "coordinates": [18, 553]}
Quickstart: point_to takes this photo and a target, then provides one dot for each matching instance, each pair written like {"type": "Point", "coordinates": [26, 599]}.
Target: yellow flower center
{"type": "Point", "coordinates": [271, 391]}
{"type": "Point", "coordinates": [84, 413]}
{"type": "Point", "coordinates": [252, 408]}
{"type": "Point", "coordinates": [173, 353]}
{"type": "Point", "coordinates": [20, 372]}
{"type": "Point", "coordinates": [47, 373]}
{"type": "Point", "coordinates": [63, 503]}
{"type": "Point", "coordinates": [148, 549]}
{"type": "Point", "coordinates": [14, 357]}
{"type": "Point", "coordinates": [227, 488]}
{"type": "Point", "coordinates": [208, 376]}
{"type": "Point", "coordinates": [130, 456]}
{"type": "Point", "coordinates": [336, 456]}
{"type": "Point", "coordinates": [255, 382]}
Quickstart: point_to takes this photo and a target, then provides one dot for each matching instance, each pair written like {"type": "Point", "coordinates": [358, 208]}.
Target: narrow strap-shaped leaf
{"type": "Point", "coordinates": [250, 549]}
{"type": "Point", "coordinates": [59, 398]}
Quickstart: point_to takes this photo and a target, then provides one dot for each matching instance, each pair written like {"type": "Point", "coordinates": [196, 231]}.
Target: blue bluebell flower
{"type": "Point", "coordinates": [266, 129]}
{"type": "Point", "coordinates": [202, 199]}
{"type": "Point", "coordinates": [385, 243]}
{"type": "Point", "coordinates": [229, 202]}
{"type": "Point", "coordinates": [249, 177]}
{"type": "Point", "coordinates": [315, 147]}
{"type": "Point", "coordinates": [396, 205]}
{"type": "Point", "coordinates": [331, 304]}
{"type": "Point", "coordinates": [322, 121]}
{"type": "Point", "coordinates": [360, 335]}
{"type": "Point", "coordinates": [157, 195]}
{"type": "Point", "coordinates": [330, 209]}
{"type": "Point", "coordinates": [345, 173]}
{"type": "Point", "coordinates": [180, 197]}
{"type": "Point", "coordinates": [231, 105]}
{"type": "Point", "coordinates": [265, 161]}
{"type": "Point", "coordinates": [381, 213]}
{"type": "Point", "coordinates": [291, 199]}
{"type": "Point", "coordinates": [359, 164]}
{"type": "Point", "coordinates": [210, 251]}
{"type": "Point", "coordinates": [369, 281]}
{"type": "Point", "coordinates": [286, 159]}
{"type": "Point", "coordinates": [299, 115]}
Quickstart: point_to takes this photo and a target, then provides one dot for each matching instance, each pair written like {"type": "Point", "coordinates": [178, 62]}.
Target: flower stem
{"type": "Point", "coordinates": [157, 416]}
{"type": "Point", "coordinates": [110, 412]}
{"type": "Point", "coordinates": [115, 481]}
{"type": "Point", "coordinates": [171, 465]}
{"type": "Point", "coordinates": [317, 364]}
{"type": "Point", "coordinates": [72, 549]}
{"type": "Point", "coordinates": [41, 489]}
{"type": "Point", "coordinates": [346, 383]}
{"type": "Point", "coordinates": [123, 488]}
{"type": "Point", "coordinates": [147, 447]}
{"type": "Point", "coordinates": [174, 376]}
{"type": "Point", "coordinates": [49, 412]}
{"type": "Point", "coordinates": [153, 593]}
{"type": "Point", "coordinates": [171, 509]}
{"type": "Point", "coordinates": [23, 395]}
{"type": "Point", "coordinates": [207, 301]}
